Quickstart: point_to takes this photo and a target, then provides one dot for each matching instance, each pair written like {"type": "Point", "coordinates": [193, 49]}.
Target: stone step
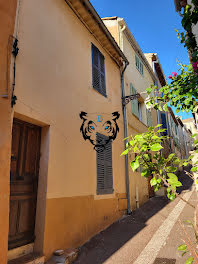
{"type": "Point", "coordinates": [63, 256]}
{"type": "Point", "coordinates": [32, 258]}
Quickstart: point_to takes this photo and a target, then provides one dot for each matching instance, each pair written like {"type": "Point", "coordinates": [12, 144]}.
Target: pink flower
{"type": "Point", "coordinates": [195, 65]}
{"type": "Point", "coordinates": [174, 74]}
{"type": "Point", "coordinates": [170, 76]}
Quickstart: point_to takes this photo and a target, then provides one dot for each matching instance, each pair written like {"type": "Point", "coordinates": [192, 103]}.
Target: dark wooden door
{"type": "Point", "coordinates": [23, 182]}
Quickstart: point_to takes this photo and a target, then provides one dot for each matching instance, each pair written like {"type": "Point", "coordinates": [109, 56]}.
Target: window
{"type": "Point", "coordinates": [134, 103]}
{"type": "Point", "coordinates": [164, 123]}
{"type": "Point", "coordinates": [136, 107]}
{"type": "Point", "coordinates": [139, 111]}
{"type": "Point", "coordinates": [139, 65]}
{"type": "Point", "coordinates": [104, 168]}
{"type": "Point", "coordinates": [149, 118]}
{"type": "Point", "coordinates": [98, 71]}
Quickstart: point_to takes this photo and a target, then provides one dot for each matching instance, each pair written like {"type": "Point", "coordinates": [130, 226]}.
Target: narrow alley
{"type": "Point", "coordinates": [150, 235]}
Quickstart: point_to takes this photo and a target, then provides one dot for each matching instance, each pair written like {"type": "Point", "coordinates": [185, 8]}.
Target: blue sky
{"type": "Point", "coordinates": [153, 25]}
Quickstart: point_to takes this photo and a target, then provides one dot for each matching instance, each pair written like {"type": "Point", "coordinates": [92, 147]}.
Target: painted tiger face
{"type": "Point", "coordinates": [93, 124]}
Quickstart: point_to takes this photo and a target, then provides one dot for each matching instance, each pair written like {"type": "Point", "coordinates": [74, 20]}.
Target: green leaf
{"type": "Point", "coordinates": [149, 90]}
{"type": "Point", "coordinates": [135, 148]}
{"type": "Point", "coordinates": [155, 137]}
{"type": "Point", "coordinates": [194, 135]}
{"type": "Point", "coordinates": [125, 152]}
{"type": "Point", "coordinates": [168, 189]}
{"type": "Point", "coordinates": [184, 253]}
{"type": "Point", "coordinates": [172, 176]}
{"type": "Point", "coordinates": [153, 181]}
{"type": "Point", "coordinates": [165, 107]}
{"type": "Point", "coordinates": [195, 141]}
{"type": "Point", "coordinates": [182, 247]}
{"type": "Point", "coordinates": [170, 156]}
{"type": "Point", "coordinates": [190, 157]}
{"type": "Point", "coordinates": [145, 173]}
{"type": "Point", "coordinates": [162, 130]}
{"type": "Point", "coordinates": [189, 260]}
{"type": "Point", "coordinates": [135, 165]}
{"type": "Point", "coordinates": [185, 164]}
{"type": "Point", "coordinates": [132, 142]}
{"type": "Point", "coordinates": [172, 197]}
{"type": "Point", "coordinates": [171, 169]}
{"type": "Point", "coordinates": [159, 180]}
{"type": "Point", "coordinates": [194, 169]}
{"type": "Point", "coordinates": [156, 147]}
{"type": "Point", "coordinates": [159, 125]}
{"type": "Point", "coordinates": [138, 137]}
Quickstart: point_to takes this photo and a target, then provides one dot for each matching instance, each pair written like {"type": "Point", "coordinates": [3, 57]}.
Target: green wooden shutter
{"type": "Point", "coordinates": [149, 118]}
{"type": "Point", "coordinates": [134, 103]}
{"type": "Point", "coordinates": [104, 168]}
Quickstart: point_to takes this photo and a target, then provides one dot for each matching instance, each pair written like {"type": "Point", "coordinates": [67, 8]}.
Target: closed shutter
{"type": "Point", "coordinates": [98, 71]}
{"type": "Point", "coordinates": [134, 103]}
{"type": "Point", "coordinates": [149, 118]}
{"type": "Point", "coordinates": [164, 123]}
{"type": "Point", "coordinates": [139, 65]}
{"type": "Point", "coordinates": [104, 168]}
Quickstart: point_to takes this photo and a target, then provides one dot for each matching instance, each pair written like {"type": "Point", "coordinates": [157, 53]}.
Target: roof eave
{"type": "Point", "coordinates": [137, 49]}
{"type": "Point", "coordinates": [86, 12]}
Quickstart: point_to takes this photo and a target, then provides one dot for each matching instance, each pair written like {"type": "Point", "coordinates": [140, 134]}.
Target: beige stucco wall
{"type": "Point", "coordinates": [53, 84]}
{"type": "Point", "coordinates": [195, 27]}
{"type": "Point", "coordinates": [138, 185]}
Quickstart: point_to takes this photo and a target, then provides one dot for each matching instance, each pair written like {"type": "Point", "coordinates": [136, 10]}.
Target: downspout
{"type": "Point", "coordinates": [125, 122]}
{"type": "Point", "coordinates": [158, 118]}
{"type": "Point", "coordinates": [125, 142]}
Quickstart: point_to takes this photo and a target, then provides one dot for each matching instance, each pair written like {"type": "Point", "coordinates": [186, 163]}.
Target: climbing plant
{"type": "Point", "coordinates": [182, 93]}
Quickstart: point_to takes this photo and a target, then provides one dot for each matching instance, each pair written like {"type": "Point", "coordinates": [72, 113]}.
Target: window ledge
{"type": "Point", "coordinates": [104, 196]}
{"type": "Point", "coordinates": [139, 120]}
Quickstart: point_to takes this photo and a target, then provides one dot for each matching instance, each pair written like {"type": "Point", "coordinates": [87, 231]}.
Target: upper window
{"type": "Point", "coordinates": [135, 104]}
{"type": "Point", "coordinates": [164, 123]}
{"type": "Point", "coordinates": [139, 65]}
{"type": "Point", "coordinates": [98, 71]}
{"type": "Point", "coordinates": [149, 118]}
{"type": "Point", "coordinates": [104, 168]}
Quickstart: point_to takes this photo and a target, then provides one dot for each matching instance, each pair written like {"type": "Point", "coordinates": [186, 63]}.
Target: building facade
{"type": "Point", "coordinates": [138, 76]}
{"type": "Point", "coordinates": [67, 87]}
{"type": "Point", "coordinates": [7, 19]}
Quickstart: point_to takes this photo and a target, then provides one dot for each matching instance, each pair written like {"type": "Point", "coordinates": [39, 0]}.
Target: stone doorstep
{"type": "Point", "coordinates": [67, 257]}
{"type": "Point", "coordinates": [32, 258]}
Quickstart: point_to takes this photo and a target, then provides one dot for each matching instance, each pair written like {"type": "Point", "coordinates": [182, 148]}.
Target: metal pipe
{"type": "Point", "coordinates": [125, 142]}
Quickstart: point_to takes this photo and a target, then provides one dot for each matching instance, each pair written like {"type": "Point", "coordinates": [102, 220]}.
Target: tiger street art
{"type": "Point", "coordinates": [93, 124]}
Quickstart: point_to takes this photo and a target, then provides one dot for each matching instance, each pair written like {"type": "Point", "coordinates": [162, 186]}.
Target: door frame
{"type": "Point", "coordinates": [38, 244]}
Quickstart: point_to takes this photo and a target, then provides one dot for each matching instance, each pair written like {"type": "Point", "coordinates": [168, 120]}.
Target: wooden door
{"type": "Point", "coordinates": [23, 182]}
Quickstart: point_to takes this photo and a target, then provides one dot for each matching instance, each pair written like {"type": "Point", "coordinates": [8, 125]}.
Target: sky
{"type": "Point", "coordinates": [153, 25]}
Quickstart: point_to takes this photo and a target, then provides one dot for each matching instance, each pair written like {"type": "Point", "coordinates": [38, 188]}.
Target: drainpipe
{"type": "Point", "coordinates": [158, 118]}
{"type": "Point", "coordinates": [125, 142]}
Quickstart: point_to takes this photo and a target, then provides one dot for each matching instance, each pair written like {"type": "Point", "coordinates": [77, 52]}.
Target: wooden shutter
{"type": "Point", "coordinates": [98, 71]}
{"type": "Point", "coordinates": [134, 103]}
{"type": "Point", "coordinates": [139, 65]}
{"type": "Point", "coordinates": [149, 118]}
{"type": "Point", "coordinates": [164, 123]}
{"type": "Point", "coordinates": [104, 168]}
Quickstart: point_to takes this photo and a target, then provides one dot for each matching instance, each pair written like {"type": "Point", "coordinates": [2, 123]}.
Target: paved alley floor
{"type": "Point", "coordinates": [150, 235]}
